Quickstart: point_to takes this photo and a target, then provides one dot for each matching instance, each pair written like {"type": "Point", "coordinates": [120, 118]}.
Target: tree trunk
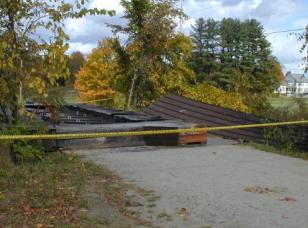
{"type": "Point", "coordinates": [131, 92]}
{"type": "Point", "coordinates": [6, 118]}
{"type": "Point", "coordinates": [14, 48]}
{"type": "Point", "coordinates": [15, 109]}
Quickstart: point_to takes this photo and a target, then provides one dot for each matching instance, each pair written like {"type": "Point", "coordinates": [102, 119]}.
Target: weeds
{"type": "Point", "coordinates": [48, 193]}
{"type": "Point", "coordinates": [285, 152]}
{"type": "Point", "coordinates": [54, 193]}
{"type": "Point", "coordinates": [22, 150]}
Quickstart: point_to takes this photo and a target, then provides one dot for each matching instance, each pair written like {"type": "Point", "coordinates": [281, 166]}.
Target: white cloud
{"type": "Point", "coordinates": [84, 48]}
{"type": "Point", "coordinates": [86, 32]}
{"type": "Point", "coordinates": [275, 15]}
{"type": "Point", "coordinates": [275, 9]}
{"type": "Point", "coordinates": [286, 48]}
{"type": "Point", "coordinates": [107, 4]}
{"type": "Point", "coordinates": [300, 23]}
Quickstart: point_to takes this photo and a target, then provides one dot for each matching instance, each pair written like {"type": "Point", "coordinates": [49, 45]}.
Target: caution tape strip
{"type": "Point", "coordinates": [142, 133]}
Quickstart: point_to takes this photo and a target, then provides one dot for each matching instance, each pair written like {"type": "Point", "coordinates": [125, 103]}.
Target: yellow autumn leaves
{"type": "Point", "coordinates": [95, 79]}
{"type": "Point", "coordinates": [215, 96]}
{"type": "Point", "coordinates": [98, 77]}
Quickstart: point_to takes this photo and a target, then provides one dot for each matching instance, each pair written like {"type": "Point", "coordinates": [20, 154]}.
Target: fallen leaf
{"type": "Point", "coordinates": [183, 212]}
{"type": "Point", "coordinates": [2, 197]}
{"type": "Point", "coordinates": [288, 199]}
{"type": "Point", "coordinates": [83, 210]}
{"type": "Point", "coordinates": [260, 190]}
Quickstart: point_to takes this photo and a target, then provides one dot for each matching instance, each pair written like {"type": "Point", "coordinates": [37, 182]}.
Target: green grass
{"type": "Point", "coordinates": [71, 96]}
{"type": "Point", "coordinates": [67, 94]}
{"type": "Point", "coordinates": [285, 102]}
{"type": "Point", "coordinates": [51, 193]}
{"type": "Point", "coordinates": [284, 152]}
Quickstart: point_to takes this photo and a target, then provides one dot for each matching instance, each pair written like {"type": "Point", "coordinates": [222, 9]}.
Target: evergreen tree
{"type": "Point", "coordinates": [205, 39]}
{"type": "Point", "coordinates": [235, 56]}
{"type": "Point", "coordinates": [76, 61]}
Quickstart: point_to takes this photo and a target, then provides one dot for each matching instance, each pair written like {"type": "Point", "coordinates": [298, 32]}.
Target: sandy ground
{"type": "Point", "coordinates": [218, 185]}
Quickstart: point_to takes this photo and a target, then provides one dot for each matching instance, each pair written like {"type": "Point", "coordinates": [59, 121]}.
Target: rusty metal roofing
{"type": "Point", "coordinates": [179, 107]}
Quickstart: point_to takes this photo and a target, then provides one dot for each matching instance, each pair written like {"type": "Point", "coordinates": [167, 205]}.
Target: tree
{"type": "Point", "coordinates": [33, 44]}
{"type": "Point", "coordinates": [96, 78]}
{"type": "Point", "coordinates": [153, 53]}
{"type": "Point", "coordinates": [205, 37]}
{"type": "Point", "coordinates": [304, 48]}
{"type": "Point", "coordinates": [234, 55]}
{"type": "Point", "coordinates": [76, 62]}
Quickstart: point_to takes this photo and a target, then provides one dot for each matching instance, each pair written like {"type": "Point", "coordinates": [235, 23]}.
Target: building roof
{"type": "Point", "coordinates": [295, 78]}
{"type": "Point", "coordinates": [284, 83]}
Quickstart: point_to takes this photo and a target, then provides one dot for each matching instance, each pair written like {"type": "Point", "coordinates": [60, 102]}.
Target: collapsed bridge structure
{"type": "Point", "coordinates": [96, 119]}
{"type": "Point", "coordinates": [169, 112]}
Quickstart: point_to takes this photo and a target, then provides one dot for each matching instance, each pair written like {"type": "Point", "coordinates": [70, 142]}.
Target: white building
{"type": "Point", "coordinates": [294, 85]}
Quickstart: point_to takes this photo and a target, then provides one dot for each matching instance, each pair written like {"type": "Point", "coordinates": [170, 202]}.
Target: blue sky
{"type": "Point", "coordinates": [275, 15]}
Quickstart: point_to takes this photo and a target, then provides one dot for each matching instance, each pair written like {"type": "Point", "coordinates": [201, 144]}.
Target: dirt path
{"type": "Point", "coordinates": [213, 186]}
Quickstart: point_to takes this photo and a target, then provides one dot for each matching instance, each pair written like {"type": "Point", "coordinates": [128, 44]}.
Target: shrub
{"type": "Point", "coordinates": [215, 96]}
{"type": "Point", "coordinates": [281, 137]}
{"type": "Point", "coordinates": [26, 152]}
{"type": "Point", "coordinates": [23, 150]}
{"type": "Point", "coordinates": [287, 137]}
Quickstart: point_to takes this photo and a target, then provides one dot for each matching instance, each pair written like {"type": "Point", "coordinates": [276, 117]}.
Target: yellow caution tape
{"type": "Point", "coordinates": [142, 133]}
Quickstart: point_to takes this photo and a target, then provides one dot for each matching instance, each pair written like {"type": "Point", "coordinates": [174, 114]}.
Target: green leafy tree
{"type": "Point", "coordinates": [76, 62]}
{"type": "Point", "coordinates": [33, 45]}
{"type": "Point", "coordinates": [153, 58]}
{"type": "Point", "coordinates": [304, 48]}
{"type": "Point", "coordinates": [234, 55]}
{"type": "Point", "coordinates": [205, 37]}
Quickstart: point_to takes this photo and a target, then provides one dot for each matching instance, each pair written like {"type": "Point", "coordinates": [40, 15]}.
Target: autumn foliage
{"type": "Point", "coordinates": [95, 79]}
{"type": "Point", "coordinates": [215, 96]}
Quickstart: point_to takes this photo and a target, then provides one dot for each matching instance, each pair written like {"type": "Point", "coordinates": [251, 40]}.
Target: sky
{"type": "Point", "coordinates": [275, 15]}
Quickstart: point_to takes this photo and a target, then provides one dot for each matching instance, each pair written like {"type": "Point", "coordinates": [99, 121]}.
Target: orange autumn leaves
{"type": "Point", "coordinates": [95, 79]}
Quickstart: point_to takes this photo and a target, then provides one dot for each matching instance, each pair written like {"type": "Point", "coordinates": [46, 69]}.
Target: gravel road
{"type": "Point", "coordinates": [215, 185]}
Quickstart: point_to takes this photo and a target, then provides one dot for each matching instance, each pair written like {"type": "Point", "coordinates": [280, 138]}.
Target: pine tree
{"type": "Point", "coordinates": [205, 39]}
{"type": "Point", "coordinates": [234, 55]}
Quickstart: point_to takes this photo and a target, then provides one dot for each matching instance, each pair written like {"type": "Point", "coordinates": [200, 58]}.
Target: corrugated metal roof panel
{"type": "Point", "coordinates": [179, 107]}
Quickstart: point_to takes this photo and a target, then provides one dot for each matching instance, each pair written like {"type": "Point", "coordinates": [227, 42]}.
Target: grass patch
{"type": "Point", "coordinates": [71, 96]}
{"type": "Point", "coordinates": [68, 94]}
{"type": "Point", "coordinates": [284, 152]}
{"type": "Point", "coordinates": [51, 193]}
{"type": "Point", "coordinates": [64, 191]}
{"type": "Point", "coordinates": [286, 102]}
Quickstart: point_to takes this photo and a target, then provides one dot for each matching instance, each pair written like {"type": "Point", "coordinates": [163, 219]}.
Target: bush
{"type": "Point", "coordinates": [215, 96]}
{"type": "Point", "coordinates": [281, 137]}
{"type": "Point", "coordinates": [26, 152]}
{"type": "Point", "coordinates": [23, 150]}
{"type": "Point", "coordinates": [287, 137]}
